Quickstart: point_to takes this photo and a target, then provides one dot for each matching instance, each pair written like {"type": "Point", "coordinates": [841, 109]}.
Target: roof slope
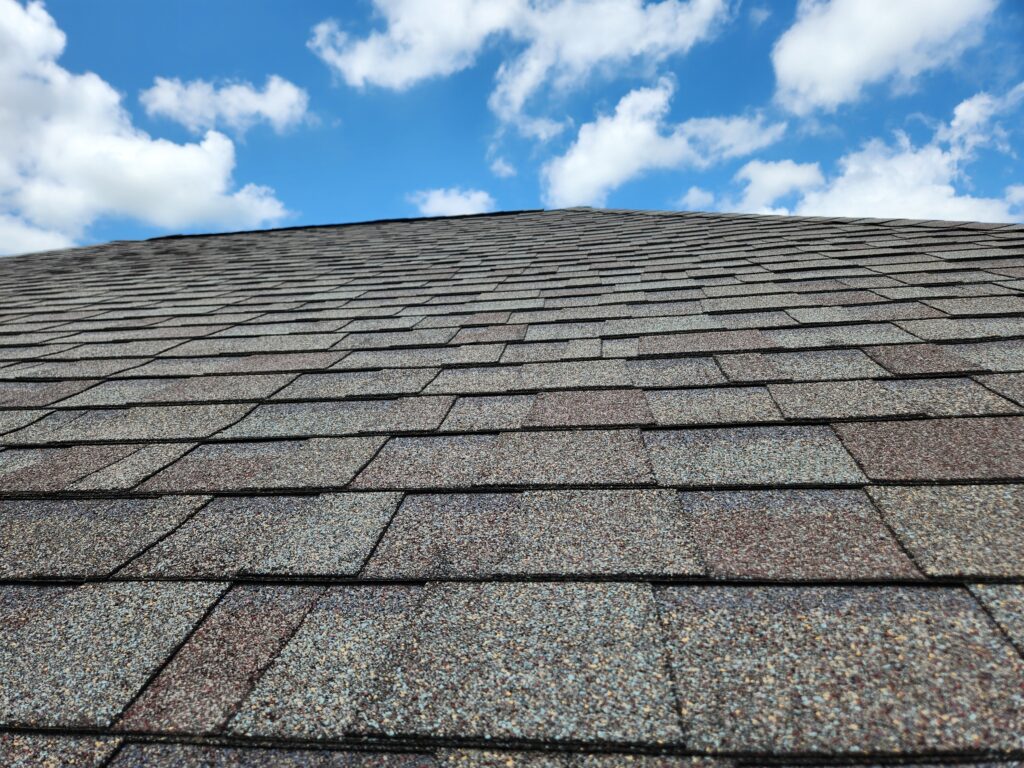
{"type": "Point", "coordinates": [540, 489]}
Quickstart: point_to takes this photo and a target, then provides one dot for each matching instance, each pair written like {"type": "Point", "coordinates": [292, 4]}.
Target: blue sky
{"type": "Point", "coordinates": [121, 119]}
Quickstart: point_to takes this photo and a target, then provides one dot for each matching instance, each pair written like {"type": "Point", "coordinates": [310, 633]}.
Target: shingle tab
{"type": "Point", "coordinates": [536, 661]}
{"type": "Point", "coordinates": [292, 535]}
{"type": "Point", "coordinates": [751, 456]}
{"type": "Point", "coordinates": [959, 529]}
{"type": "Point", "coordinates": [84, 537]}
{"type": "Point", "coordinates": [942, 449]}
{"type": "Point", "coordinates": [315, 463]}
{"type": "Point", "coordinates": [840, 670]}
{"type": "Point", "coordinates": [793, 535]}
{"type": "Point", "coordinates": [79, 662]}
{"type": "Point", "coordinates": [215, 670]}
{"type": "Point", "coordinates": [538, 532]}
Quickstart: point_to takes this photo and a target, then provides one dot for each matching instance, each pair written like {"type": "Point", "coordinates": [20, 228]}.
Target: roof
{"type": "Point", "coordinates": [538, 489]}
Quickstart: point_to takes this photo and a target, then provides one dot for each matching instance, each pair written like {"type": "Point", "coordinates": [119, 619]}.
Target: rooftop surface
{"type": "Point", "coordinates": [572, 488]}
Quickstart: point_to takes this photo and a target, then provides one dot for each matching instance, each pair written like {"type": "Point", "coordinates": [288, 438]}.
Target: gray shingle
{"type": "Point", "coordinates": [25, 750]}
{"type": "Point", "coordinates": [792, 535]}
{"type": "Point", "coordinates": [33, 394]}
{"type": "Point", "coordinates": [329, 534]}
{"type": "Point", "coordinates": [67, 538]}
{"type": "Point", "coordinates": [614, 457]}
{"type": "Point", "coordinates": [80, 660]}
{"type": "Point", "coordinates": [840, 670]}
{"type": "Point", "coordinates": [851, 399]}
{"type": "Point", "coordinates": [166, 422]}
{"type": "Point", "coordinates": [1006, 604]}
{"type": "Point", "coordinates": [315, 463]}
{"type": "Point", "coordinates": [798, 366]}
{"type": "Point", "coordinates": [589, 408]}
{"type": "Point", "coordinates": [536, 661]}
{"type": "Point", "coordinates": [958, 530]}
{"type": "Point", "coordinates": [538, 532]}
{"type": "Point", "coordinates": [326, 386]}
{"type": "Point", "coordinates": [488, 414]}
{"type": "Point", "coordinates": [348, 417]}
{"type": "Point", "coordinates": [185, 389]}
{"type": "Point", "coordinates": [750, 456]}
{"type": "Point", "coordinates": [712, 406]}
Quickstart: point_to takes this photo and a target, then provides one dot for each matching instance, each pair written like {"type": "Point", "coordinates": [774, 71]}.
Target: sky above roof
{"type": "Point", "coordinates": [121, 119]}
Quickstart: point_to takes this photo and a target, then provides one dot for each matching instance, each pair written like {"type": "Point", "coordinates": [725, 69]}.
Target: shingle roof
{"type": "Point", "coordinates": [569, 488]}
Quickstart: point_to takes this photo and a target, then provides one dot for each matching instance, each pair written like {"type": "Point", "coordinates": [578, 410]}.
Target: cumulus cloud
{"type": "Point", "coordinates": [637, 138]}
{"type": "Point", "coordinates": [898, 178]}
{"type": "Point", "coordinates": [69, 153]}
{"type": "Point", "coordinates": [200, 105]}
{"type": "Point", "coordinates": [453, 201]}
{"type": "Point", "coordinates": [766, 182]}
{"type": "Point", "coordinates": [837, 47]}
{"type": "Point", "coordinates": [561, 42]}
{"type": "Point", "coordinates": [697, 199]}
{"type": "Point", "coordinates": [502, 168]}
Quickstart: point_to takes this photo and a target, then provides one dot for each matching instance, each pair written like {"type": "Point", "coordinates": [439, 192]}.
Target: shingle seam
{"type": "Point", "coordinates": [371, 744]}
{"type": "Point", "coordinates": [173, 652]}
{"type": "Point", "coordinates": [157, 541]}
{"type": "Point", "coordinates": [993, 621]}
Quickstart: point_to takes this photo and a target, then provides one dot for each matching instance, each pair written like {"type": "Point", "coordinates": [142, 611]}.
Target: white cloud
{"type": "Point", "coordinates": [563, 41]}
{"type": "Point", "coordinates": [636, 138]}
{"type": "Point", "coordinates": [200, 105]}
{"type": "Point", "coordinates": [697, 199]}
{"type": "Point", "coordinates": [837, 47]}
{"type": "Point", "coordinates": [69, 153]}
{"type": "Point", "coordinates": [898, 179]}
{"type": "Point", "coordinates": [502, 168]}
{"type": "Point", "coordinates": [766, 182]}
{"type": "Point", "coordinates": [902, 181]}
{"type": "Point", "coordinates": [758, 15]}
{"type": "Point", "coordinates": [453, 201]}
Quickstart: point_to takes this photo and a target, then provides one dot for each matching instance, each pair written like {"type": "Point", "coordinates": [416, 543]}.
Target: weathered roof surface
{"type": "Point", "coordinates": [538, 489]}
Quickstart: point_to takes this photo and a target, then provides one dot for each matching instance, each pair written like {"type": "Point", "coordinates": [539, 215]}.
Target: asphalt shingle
{"type": "Point", "coordinates": [840, 670]}
{"type": "Point", "coordinates": [958, 530]}
{"type": "Point", "coordinates": [537, 533]}
{"type": "Point", "coordinates": [536, 661]}
{"type": "Point", "coordinates": [722, 405]}
{"type": "Point", "coordinates": [24, 750]}
{"type": "Point", "coordinates": [80, 661]}
{"type": "Point", "coordinates": [346, 417]}
{"type": "Point", "coordinates": [168, 422]}
{"type": "Point", "coordinates": [329, 534]}
{"type": "Point", "coordinates": [217, 667]}
{"type": "Point", "coordinates": [589, 408]}
{"type": "Point", "coordinates": [315, 463]}
{"type": "Point", "coordinates": [792, 535]}
{"type": "Point", "coordinates": [84, 537]}
{"type": "Point", "coordinates": [750, 456]}
{"type": "Point", "coordinates": [940, 449]}
{"type": "Point", "coordinates": [905, 397]}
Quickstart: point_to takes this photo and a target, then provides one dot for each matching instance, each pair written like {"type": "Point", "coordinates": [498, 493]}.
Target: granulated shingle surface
{"type": "Point", "coordinates": [857, 670]}
{"type": "Point", "coordinates": [956, 530]}
{"type": "Point", "coordinates": [795, 534]}
{"type": "Point", "coordinates": [328, 534]}
{"type": "Point", "coordinates": [943, 449]}
{"type": "Point", "coordinates": [313, 463]}
{"type": "Point", "coordinates": [436, 470]}
{"type": "Point", "coordinates": [22, 750]}
{"type": "Point", "coordinates": [538, 532]}
{"type": "Point", "coordinates": [81, 661]}
{"type": "Point", "coordinates": [751, 456]}
{"type": "Point", "coordinates": [107, 533]}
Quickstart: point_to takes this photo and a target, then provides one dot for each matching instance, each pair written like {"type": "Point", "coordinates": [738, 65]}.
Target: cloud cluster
{"type": "Point", "coordinates": [637, 138]}
{"type": "Point", "coordinates": [69, 153]}
{"type": "Point", "coordinates": [898, 178]}
{"type": "Point", "coordinates": [200, 105]}
{"type": "Point", "coordinates": [837, 47]}
{"type": "Point", "coordinates": [561, 43]}
{"type": "Point", "coordinates": [453, 201]}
